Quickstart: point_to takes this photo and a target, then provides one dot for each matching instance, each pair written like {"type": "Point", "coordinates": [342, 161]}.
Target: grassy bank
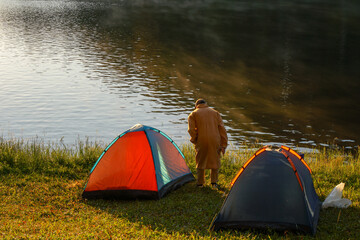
{"type": "Point", "coordinates": [41, 186]}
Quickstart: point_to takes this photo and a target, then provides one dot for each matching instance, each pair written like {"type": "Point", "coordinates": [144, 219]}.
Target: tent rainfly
{"type": "Point", "coordinates": [273, 190]}
{"type": "Point", "coordinates": [142, 162]}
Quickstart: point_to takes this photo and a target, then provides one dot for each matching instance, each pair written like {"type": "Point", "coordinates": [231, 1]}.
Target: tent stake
{"type": "Point", "coordinates": [338, 219]}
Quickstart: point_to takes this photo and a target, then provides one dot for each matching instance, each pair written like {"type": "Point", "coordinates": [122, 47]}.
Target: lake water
{"type": "Point", "coordinates": [285, 72]}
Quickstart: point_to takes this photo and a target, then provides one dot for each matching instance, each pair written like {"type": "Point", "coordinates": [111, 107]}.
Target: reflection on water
{"type": "Point", "coordinates": [279, 73]}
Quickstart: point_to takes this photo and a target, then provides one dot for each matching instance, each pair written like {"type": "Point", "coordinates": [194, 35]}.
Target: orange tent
{"type": "Point", "coordinates": [142, 162]}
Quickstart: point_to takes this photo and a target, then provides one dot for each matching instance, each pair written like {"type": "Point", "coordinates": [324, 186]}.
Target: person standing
{"type": "Point", "coordinates": [208, 134]}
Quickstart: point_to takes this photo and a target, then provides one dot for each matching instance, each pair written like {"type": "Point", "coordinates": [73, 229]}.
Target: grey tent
{"type": "Point", "coordinates": [273, 189]}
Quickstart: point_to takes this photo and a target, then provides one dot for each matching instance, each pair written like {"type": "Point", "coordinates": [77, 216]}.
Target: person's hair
{"type": "Point", "coordinates": [200, 101]}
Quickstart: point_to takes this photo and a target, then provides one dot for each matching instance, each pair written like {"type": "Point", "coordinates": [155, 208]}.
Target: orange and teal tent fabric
{"type": "Point", "coordinates": [142, 162]}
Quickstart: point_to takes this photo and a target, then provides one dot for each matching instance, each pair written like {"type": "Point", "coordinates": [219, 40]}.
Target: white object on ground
{"type": "Point", "coordinates": [334, 199]}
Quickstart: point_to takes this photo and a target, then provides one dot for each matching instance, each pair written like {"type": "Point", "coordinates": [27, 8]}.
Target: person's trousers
{"type": "Point", "coordinates": [214, 175]}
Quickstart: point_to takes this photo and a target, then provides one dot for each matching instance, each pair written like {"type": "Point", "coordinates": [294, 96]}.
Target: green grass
{"type": "Point", "coordinates": [41, 186]}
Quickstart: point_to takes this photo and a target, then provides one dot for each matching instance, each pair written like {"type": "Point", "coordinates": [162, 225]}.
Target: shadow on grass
{"type": "Point", "coordinates": [190, 209]}
{"type": "Point", "coordinates": [339, 223]}
{"type": "Point", "coordinates": [184, 210]}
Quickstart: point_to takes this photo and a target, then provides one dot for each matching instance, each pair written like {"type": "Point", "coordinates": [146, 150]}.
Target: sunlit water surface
{"type": "Point", "coordinates": [284, 73]}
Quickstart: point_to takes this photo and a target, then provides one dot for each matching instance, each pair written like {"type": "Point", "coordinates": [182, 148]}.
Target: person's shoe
{"type": "Point", "coordinates": [215, 186]}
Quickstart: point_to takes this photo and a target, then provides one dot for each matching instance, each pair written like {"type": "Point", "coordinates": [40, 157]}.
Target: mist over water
{"type": "Point", "coordinates": [284, 72]}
